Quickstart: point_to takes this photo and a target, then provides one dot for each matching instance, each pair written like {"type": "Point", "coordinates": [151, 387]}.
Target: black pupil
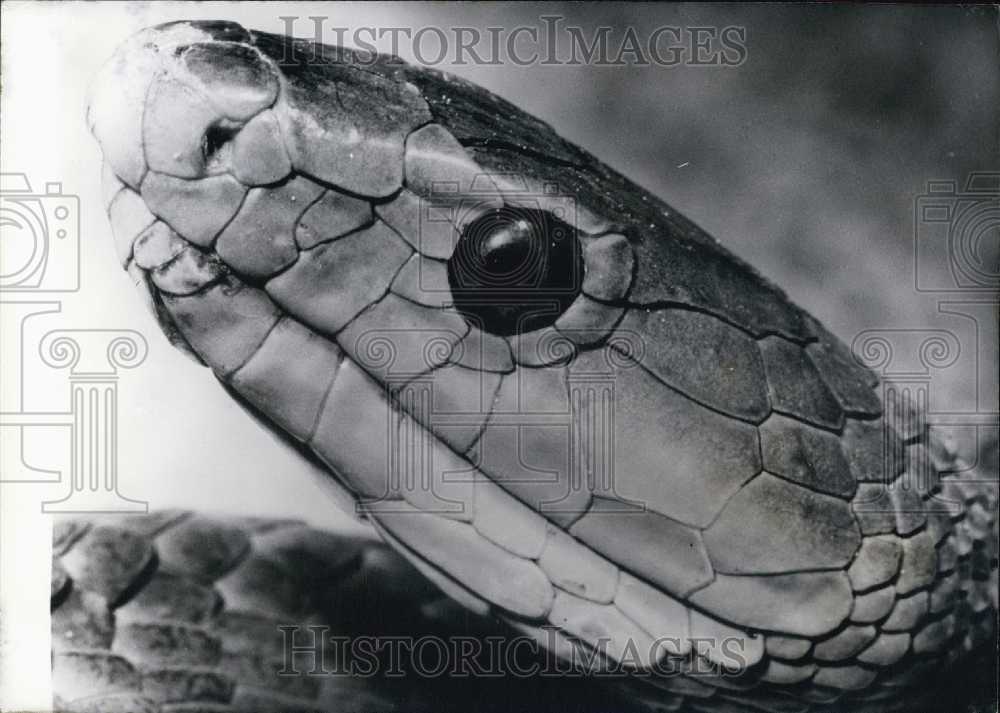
{"type": "Point", "coordinates": [515, 270]}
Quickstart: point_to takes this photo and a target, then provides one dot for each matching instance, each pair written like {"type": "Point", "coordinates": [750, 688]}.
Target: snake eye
{"type": "Point", "coordinates": [515, 270]}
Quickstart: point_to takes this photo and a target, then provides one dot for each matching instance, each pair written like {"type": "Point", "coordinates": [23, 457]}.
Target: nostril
{"type": "Point", "coordinates": [216, 137]}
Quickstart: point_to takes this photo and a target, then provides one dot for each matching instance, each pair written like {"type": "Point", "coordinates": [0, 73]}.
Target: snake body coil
{"type": "Point", "coordinates": [563, 402]}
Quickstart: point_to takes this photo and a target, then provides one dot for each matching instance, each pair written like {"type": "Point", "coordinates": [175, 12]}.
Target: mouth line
{"type": "Point", "coordinates": [154, 302]}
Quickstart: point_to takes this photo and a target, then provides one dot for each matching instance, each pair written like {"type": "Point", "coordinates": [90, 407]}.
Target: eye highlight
{"type": "Point", "coordinates": [515, 270]}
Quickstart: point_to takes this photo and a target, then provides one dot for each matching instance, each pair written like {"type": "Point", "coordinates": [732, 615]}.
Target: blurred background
{"type": "Point", "coordinates": [809, 159]}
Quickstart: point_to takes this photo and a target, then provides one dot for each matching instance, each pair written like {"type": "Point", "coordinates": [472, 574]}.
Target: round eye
{"type": "Point", "coordinates": [515, 270]}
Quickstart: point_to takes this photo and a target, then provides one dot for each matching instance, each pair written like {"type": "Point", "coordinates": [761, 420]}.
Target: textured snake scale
{"type": "Point", "coordinates": [180, 612]}
{"type": "Point", "coordinates": [679, 467]}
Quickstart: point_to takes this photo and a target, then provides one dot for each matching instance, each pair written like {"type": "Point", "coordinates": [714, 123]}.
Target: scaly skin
{"type": "Point", "coordinates": [180, 611]}
{"type": "Point", "coordinates": [682, 457]}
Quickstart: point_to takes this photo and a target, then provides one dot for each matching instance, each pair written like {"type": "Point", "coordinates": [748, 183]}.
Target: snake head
{"type": "Point", "coordinates": [241, 157]}
{"type": "Point", "coordinates": [605, 421]}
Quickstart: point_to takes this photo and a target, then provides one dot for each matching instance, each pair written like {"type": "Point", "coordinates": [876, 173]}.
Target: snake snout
{"type": "Point", "coordinates": [163, 96]}
{"type": "Point", "coordinates": [181, 112]}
